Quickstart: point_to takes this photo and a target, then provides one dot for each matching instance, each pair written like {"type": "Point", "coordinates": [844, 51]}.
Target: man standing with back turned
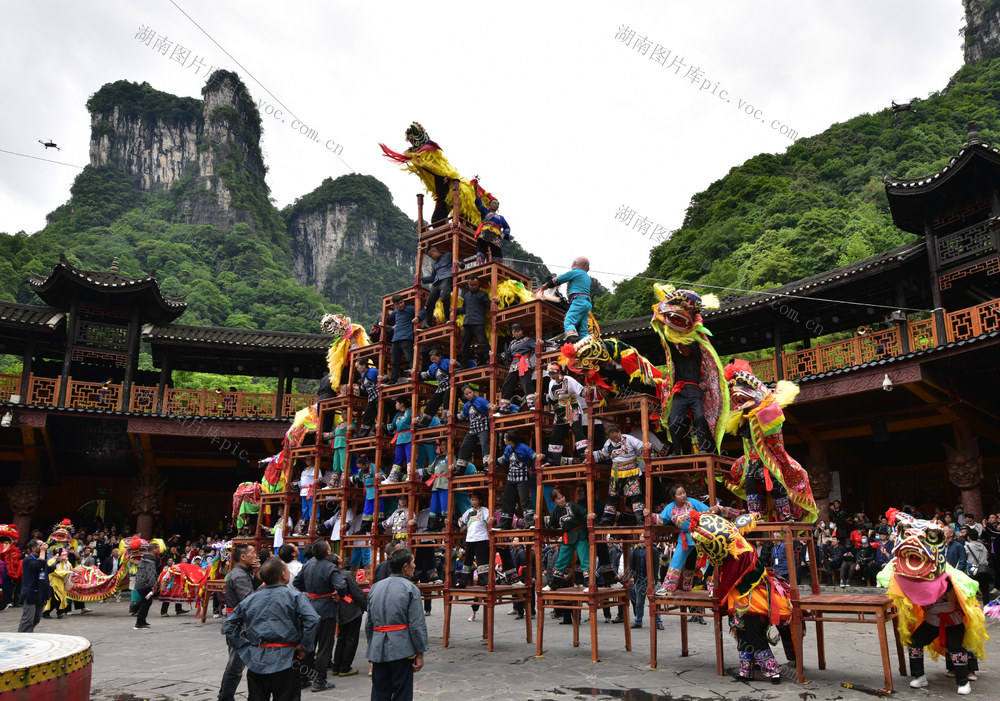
{"type": "Point", "coordinates": [396, 631]}
{"type": "Point", "coordinates": [321, 581]}
{"type": "Point", "coordinates": [240, 583]}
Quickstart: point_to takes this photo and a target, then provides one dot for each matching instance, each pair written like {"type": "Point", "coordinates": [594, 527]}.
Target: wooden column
{"type": "Point", "coordinates": [26, 362]}
{"type": "Point", "coordinates": [148, 490]}
{"type": "Point", "coordinates": [939, 326]}
{"type": "Point", "coordinates": [901, 326]}
{"type": "Point", "coordinates": [26, 494]}
{"type": "Point", "coordinates": [779, 359]}
{"type": "Point", "coordinates": [279, 399]}
{"type": "Point", "coordinates": [71, 329]}
{"type": "Point", "coordinates": [965, 467]}
{"type": "Point", "coordinates": [820, 479]}
{"type": "Point", "coordinates": [131, 360]}
{"type": "Point", "coordinates": [161, 387]}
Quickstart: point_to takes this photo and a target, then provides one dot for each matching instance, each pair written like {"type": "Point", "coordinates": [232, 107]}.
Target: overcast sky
{"type": "Point", "coordinates": [563, 121]}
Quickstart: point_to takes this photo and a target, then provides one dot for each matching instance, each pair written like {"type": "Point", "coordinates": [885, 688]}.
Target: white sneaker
{"type": "Point", "coordinates": [546, 588]}
{"type": "Point", "coordinates": [660, 591]}
{"type": "Point", "coordinates": [616, 585]}
{"type": "Point", "coordinates": [919, 682]}
{"type": "Point", "coordinates": [472, 617]}
{"type": "Point", "coordinates": [438, 581]}
{"type": "Point", "coordinates": [965, 689]}
{"type": "Point", "coordinates": [517, 584]}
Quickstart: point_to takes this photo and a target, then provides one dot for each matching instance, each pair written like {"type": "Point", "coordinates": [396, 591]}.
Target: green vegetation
{"type": "Point", "coordinates": [143, 101]}
{"type": "Point", "coordinates": [820, 204]}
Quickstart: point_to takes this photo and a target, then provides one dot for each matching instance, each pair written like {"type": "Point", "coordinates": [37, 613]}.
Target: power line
{"type": "Point", "coordinates": [251, 75]}
{"type": "Point", "coordinates": [733, 289]}
{"type": "Point", "coordinates": [39, 158]}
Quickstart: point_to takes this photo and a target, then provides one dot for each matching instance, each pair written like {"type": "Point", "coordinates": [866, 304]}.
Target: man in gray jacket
{"type": "Point", "coordinates": [145, 582]}
{"type": "Point", "coordinates": [352, 607]}
{"type": "Point", "coordinates": [268, 629]}
{"type": "Point", "coordinates": [396, 631]}
{"type": "Point", "coordinates": [321, 581]}
{"type": "Point", "coordinates": [240, 583]}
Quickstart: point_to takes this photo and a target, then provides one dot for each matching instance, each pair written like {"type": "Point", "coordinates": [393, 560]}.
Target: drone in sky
{"type": "Point", "coordinates": [50, 144]}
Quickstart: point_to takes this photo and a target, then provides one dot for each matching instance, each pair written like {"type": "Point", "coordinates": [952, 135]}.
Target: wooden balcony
{"type": "Point", "coordinates": [99, 396]}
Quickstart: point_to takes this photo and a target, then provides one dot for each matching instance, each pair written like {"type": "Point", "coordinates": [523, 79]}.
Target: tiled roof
{"type": "Point", "coordinates": [735, 304]}
{"type": "Point", "coordinates": [29, 315]}
{"type": "Point", "coordinates": [218, 335]}
{"type": "Point", "coordinates": [967, 152]}
{"type": "Point", "coordinates": [104, 280]}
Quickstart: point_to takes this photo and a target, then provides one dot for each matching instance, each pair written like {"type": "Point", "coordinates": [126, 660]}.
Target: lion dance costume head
{"type": "Point", "coordinates": [677, 313]}
{"type": "Point", "coordinates": [10, 554]}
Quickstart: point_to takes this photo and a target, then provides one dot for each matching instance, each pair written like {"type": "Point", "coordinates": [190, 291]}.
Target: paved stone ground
{"type": "Point", "coordinates": [181, 659]}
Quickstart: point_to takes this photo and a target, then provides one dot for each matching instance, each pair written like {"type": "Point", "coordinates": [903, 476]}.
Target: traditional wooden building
{"type": "Point", "coordinates": [83, 424]}
{"type": "Point", "coordinates": [898, 404]}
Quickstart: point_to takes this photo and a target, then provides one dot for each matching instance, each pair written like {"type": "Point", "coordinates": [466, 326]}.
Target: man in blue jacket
{"type": "Point", "coordinates": [268, 630]}
{"type": "Point", "coordinates": [35, 588]}
{"type": "Point", "coordinates": [321, 581]}
{"type": "Point", "coordinates": [400, 322]}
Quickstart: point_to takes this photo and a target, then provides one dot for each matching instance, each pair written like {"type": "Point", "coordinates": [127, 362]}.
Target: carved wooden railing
{"type": "Point", "coordinates": [93, 395]}
{"type": "Point", "coordinates": [842, 354]}
{"type": "Point", "coordinates": [293, 402]}
{"type": "Point", "coordinates": [43, 391]}
{"type": "Point", "coordinates": [923, 334]}
{"type": "Point", "coordinates": [142, 400]}
{"type": "Point", "coordinates": [9, 385]}
{"type": "Point", "coordinates": [765, 369]}
{"type": "Point", "coordinates": [973, 321]}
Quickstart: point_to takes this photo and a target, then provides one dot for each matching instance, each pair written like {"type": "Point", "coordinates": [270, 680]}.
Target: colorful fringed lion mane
{"type": "Point", "coordinates": [614, 367]}
{"type": "Point", "coordinates": [347, 336]}
{"type": "Point", "coordinates": [917, 576]}
{"type": "Point", "coordinates": [757, 409]}
{"type": "Point", "coordinates": [744, 583]}
{"type": "Point", "coordinates": [184, 584]}
{"type": "Point", "coordinates": [425, 159]}
{"type": "Point", "coordinates": [677, 320]}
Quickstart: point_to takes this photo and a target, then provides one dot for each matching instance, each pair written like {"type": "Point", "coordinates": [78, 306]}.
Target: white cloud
{"type": "Point", "coordinates": [561, 121]}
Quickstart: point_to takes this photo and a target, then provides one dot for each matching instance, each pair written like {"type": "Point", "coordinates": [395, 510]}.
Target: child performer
{"type": "Point", "coordinates": [400, 424]}
{"type": "Point", "coordinates": [492, 230]}
{"type": "Point", "coordinates": [476, 411]}
{"type": "Point", "coordinates": [571, 519]}
{"type": "Point", "coordinates": [439, 370]}
{"type": "Point", "coordinates": [368, 385]}
{"type": "Point", "coordinates": [476, 305]}
{"type": "Point", "coordinates": [575, 323]}
{"type": "Point", "coordinates": [519, 459]}
{"type": "Point", "coordinates": [627, 467]}
{"type": "Point", "coordinates": [477, 542]}
{"type": "Point", "coordinates": [368, 475]}
{"type": "Point", "coordinates": [306, 491]}
{"type": "Point", "coordinates": [520, 358]}
{"type": "Point", "coordinates": [678, 512]}
{"type": "Point", "coordinates": [566, 398]}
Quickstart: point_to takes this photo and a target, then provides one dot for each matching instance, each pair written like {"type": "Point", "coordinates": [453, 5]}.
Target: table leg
{"type": "Point", "coordinates": [720, 662]}
{"type": "Point", "coordinates": [540, 623]}
{"type": "Point", "coordinates": [447, 622]}
{"type": "Point", "coordinates": [900, 652]}
{"type": "Point", "coordinates": [883, 646]}
{"type": "Point", "coordinates": [684, 630]}
{"type": "Point", "coordinates": [820, 647]}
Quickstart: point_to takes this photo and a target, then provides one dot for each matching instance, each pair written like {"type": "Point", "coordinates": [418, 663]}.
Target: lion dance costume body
{"type": "Point", "coordinates": [10, 556]}
{"type": "Point", "coordinates": [754, 599]}
{"type": "Point", "coordinates": [425, 159]}
{"type": "Point", "coordinates": [770, 479]}
{"type": "Point", "coordinates": [80, 583]}
{"type": "Point", "coordinates": [937, 604]}
{"type": "Point", "coordinates": [613, 367]}
{"type": "Point", "coordinates": [697, 387]}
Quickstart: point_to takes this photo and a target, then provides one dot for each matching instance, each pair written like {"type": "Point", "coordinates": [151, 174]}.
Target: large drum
{"type": "Point", "coordinates": [44, 667]}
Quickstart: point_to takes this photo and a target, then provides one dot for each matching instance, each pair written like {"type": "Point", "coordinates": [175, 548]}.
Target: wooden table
{"type": "Point", "coordinates": [851, 608]}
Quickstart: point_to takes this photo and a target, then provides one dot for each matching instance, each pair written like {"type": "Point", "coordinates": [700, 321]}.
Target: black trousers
{"type": "Point", "coordinates": [493, 250]}
{"type": "Point", "coordinates": [165, 607]}
{"type": "Point", "coordinates": [442, 201]}
{"type": "Point", "coordinates": [347, 646]}
{"type": "Point", "coordinates": [469, 443]}
{"type": "Point", "coordinates": [371, 413]}
{"type": "Point", "coordinates": [924, 634]}
{"type": "Point", "coordinates": [144, 603]}
{"type": "Point", "coordinates": [678, 417]}
{"type": "Point", "coordinates": [439, 290]}
{"type": "Point", "coordinates": [392, 681]}
{"type": "Point", "coordinates": [435, 402]}
{"type": "Point", "coordinates": [985, 576]}
{"type": "Point", "coordinates": [511, 383]}
{"type": "Point", "coordinates": [512, 493]}
{"type": "Point", "coordinates": [477, 552]}
{"type": "Point", "coordinates": [280, 686]}
{"type": "Point", "coordinates": [400, 349]}
{"type": "Point", "coordinates": [320, 659]}
{"type": "Point", "coordinates": [472, 332]}
{"type": "Point", "coordinates": [558, 437]}
{"type": "Point", "coordinates": [753, 485]}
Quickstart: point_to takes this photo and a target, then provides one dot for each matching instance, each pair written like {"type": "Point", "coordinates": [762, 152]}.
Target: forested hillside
{"type": "Point", "coordinates": [820, 204]}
